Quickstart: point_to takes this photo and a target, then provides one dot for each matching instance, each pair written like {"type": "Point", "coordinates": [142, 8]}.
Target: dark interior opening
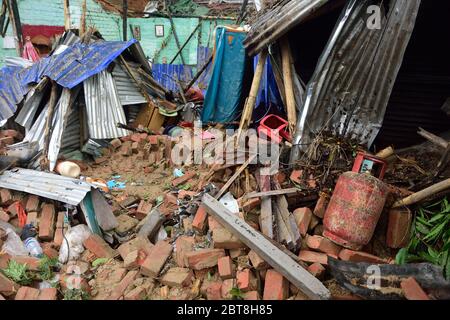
{"type": "Point", "coordinates": [423, 83]}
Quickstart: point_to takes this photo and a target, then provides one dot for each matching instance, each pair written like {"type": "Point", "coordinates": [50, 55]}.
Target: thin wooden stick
{"type": "Point", "coordinates": [423, 194]}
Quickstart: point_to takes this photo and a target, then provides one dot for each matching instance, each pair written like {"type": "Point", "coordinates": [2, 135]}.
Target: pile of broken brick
{"type": "Point", "coordinates": [176, 249]}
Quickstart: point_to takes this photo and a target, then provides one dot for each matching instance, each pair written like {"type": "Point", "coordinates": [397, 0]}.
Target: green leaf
{"type": "Point", "coordinates": [18, 273]}
{"type": "Point", "coordinates": [435, 232]}
{"type": "Point", "coordinates": [401, 256]}
{"type": "Point", "coordinates": [422, 228]}
{"type": "Point", "coordinates": [98, 262]}
{"type": "Point", "coordinates": [436, 218]}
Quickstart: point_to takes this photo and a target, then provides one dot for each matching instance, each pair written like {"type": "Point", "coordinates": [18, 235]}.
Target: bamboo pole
{"type": "Point", "coordinates": [288, 84]}
{"type": "Point", "coordinates": [14, 16]}
{"type": "Point", "coordinates": [423, 194]}
{"type": "Point", "coordinates": [67, 23]}
{"type": "Point", "coordinates": [246, 117]}
{"type": "Point", "coordinates": [83, 18]}
{"type": "Point", "coordinates": [125, 19]}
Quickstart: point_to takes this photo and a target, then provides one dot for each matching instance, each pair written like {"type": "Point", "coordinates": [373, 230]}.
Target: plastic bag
{"type": "Point", "coordinates": [14, 245]}
{"type": "Point", "coordinates": [75, 237]}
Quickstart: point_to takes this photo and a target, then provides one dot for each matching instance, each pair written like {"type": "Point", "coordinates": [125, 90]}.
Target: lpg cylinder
{"type": "Point", "coordinates": [354, 210]}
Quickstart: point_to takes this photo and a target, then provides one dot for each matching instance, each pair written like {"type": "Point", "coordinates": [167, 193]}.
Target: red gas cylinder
{"type": "Point", "coordinates": [354, 210]}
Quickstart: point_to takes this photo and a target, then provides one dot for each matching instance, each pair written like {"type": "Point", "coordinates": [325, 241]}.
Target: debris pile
{"type": "Point", "coordinates": [111, 188]}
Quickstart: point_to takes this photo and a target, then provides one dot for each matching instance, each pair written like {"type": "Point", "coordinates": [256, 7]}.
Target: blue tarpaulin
{"type": "Point", "coordinates": [269, 99]}
{"type": "Point", "coordinates": [224, 96]}
{"type": "Point", "coordinates": [68, 69]}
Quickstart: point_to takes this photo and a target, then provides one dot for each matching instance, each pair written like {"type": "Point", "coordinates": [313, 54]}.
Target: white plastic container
{"type": "Point", "coordinates": [68, 169]}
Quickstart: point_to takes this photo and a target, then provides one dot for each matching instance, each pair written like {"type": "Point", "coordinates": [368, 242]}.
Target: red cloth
{"type": "Point", "coordinates": [29, 52]}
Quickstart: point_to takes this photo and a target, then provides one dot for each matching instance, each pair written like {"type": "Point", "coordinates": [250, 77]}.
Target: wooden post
{"type": "Point", "coordinates": [83, 18]}
{"type": "Point", "coordinates": [288, 84]}
{"type": "Point", "coordinates": [14, 16]}
{"type": "Point", "coordinates": [246, 117]}
{"type": "Point", "coordinates": [186, 42]}
{"type": "Point", "coordinates": [125, 19]}
{"type": "Point", "coordinates": [67, 22]}
{"type": "Point", "coordinates": [175, 35]}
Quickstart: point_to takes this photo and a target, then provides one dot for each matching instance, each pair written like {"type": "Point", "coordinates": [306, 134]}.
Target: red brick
{"type": "Point", "coordinates": [185, 178]}
{"type": "Point", "coordinates": [214, 291]}
{"type": "Point", "coordinates": [138, 293]}
{"type": "Point", "coordinates": [311, 256]}
{"type": "Point", "coordinates": [303, 218]}
{"type": "Point", "coordinates": [49, 251]}
{"type": "Point", "coordinates": [27, 293]}
{"type": "Point", "coordinates": [48, 294]}
{"type": "Point", "coordinates": [116, 143]}
{"type": "Point", "coordinates": [251, 296]}
{"type": "Point", "coordinates": [32, 203]}
{"type": "Point", "coordinates": [136, 244]}
{"type": "Point", "coordinates": [178, 277]}
{"type": "Point", "coordinates": [4, 216]}
{"type": "Point", "coordinates": [125, 149]}
{"type": "Point", "coordinates": [323, 245]}
{"type": "Point", "coordinates": [296, 176]}
{"type": "Point", "coordinates": [199, 222]}
{"type": "Point", "coordinates": [213, 224]}
{"type": "Point", "coordinates": [153, 140]}
{"type": "Point", "coordinates": [132, 260]}
{"type": "Point", "coordinates": [317, 270]}
{"type": "Point", "coordinates": [399, 227]}
{"type": "Point", "coordinates": [143, 209]}
{"type": "Point", "coordinates": [74, 281]}
{"type": "Point", "coordinates": [135, 147]}
{"type": "Point", "coordinates": [205, 258]}
{"type": "Point", "coordinates": [358, 256]}
{"type": "Point", "coordinates": [227, 286]}
{"type": "Point", "coordinates": [183, 245]}
{"type": "Point", "coordinates": [12, 209]}
{"type": "Point", "coordinates": [98, 247]}
{"type": "Point", "coordinates": [120, 288]}
{"type": "Point", "coordinates": [246, 280]}
{"type": "Point", "coordinates": [31, 262]}
{"type": "Point", "coordinates": [257, 262]}
{"type": "Point", "coordinates": [276, 287]}
{"type": "Point", "coordinates": [157, 259]}
{"type": "Point", "coordinates": [7, 287]}
{"type": "Point", "coordinates": [412, 290]}
{"type": "Point", "coordinates": [32, 218]}
{"type": "Point", "coordinates": [47, 223]}
{"type": "Point", "coordinates": [224, 239]}
{"type": "Point", "coordinates": [136, 137]}
{"type": "Point", "coordinates": [4, 260]}
{"type": "Point", "coordinates": [6, 197]}
{"type": "Point", "coordinates": [226, 268]}
{"type": "Point", "coordinates": [321, 206]}
{"type": "Point", "coordinates": [59, 238]}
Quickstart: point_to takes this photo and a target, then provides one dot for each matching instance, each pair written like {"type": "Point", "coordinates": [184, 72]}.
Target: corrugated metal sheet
{"type": "Point", "coordinates": [166, 75]}
{"type": "Point", "coordinates": [103, 107]}
{"type": "Point", "coordinates": [278, 21]}
{"type": "Point", "coordinates": [68, 68]}
{"type": "Point", "coordinates": [70, 140]}
{"type": "Point", "coordinates": [59, 123]}
{"type": "Point", "coordinates": [30, 106]}
{"type": "Point", "coordinates": [353, 81]}
{"type": "Point", "coordinates": [47, 185]}
{"type": "Point", "coordinates": [126, 87]}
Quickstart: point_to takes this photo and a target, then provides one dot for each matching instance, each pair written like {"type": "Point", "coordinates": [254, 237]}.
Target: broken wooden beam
{"type": "Point", "coordinates": [433, 138]}
{"type": "Point", "coordinates": [236, 175]}
{"type": "Point", "coordinates": [271, 193]}
{"type": "Point", "coordinates": [266, 215]}
{"type": "Point", "coordinates": [279, 260]}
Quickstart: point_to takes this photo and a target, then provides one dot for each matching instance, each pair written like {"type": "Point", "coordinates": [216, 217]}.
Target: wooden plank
{"type": "Point", "coordinates": [289, 220]}
{"type": "Point", "coordinates": [235, 176]}
{"type": "Point", "coordinates": [271, 193]}
{"type": "Point", "coordinates": [266, 215]}
{"type": "Point", "coordinates": [279, 260]}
